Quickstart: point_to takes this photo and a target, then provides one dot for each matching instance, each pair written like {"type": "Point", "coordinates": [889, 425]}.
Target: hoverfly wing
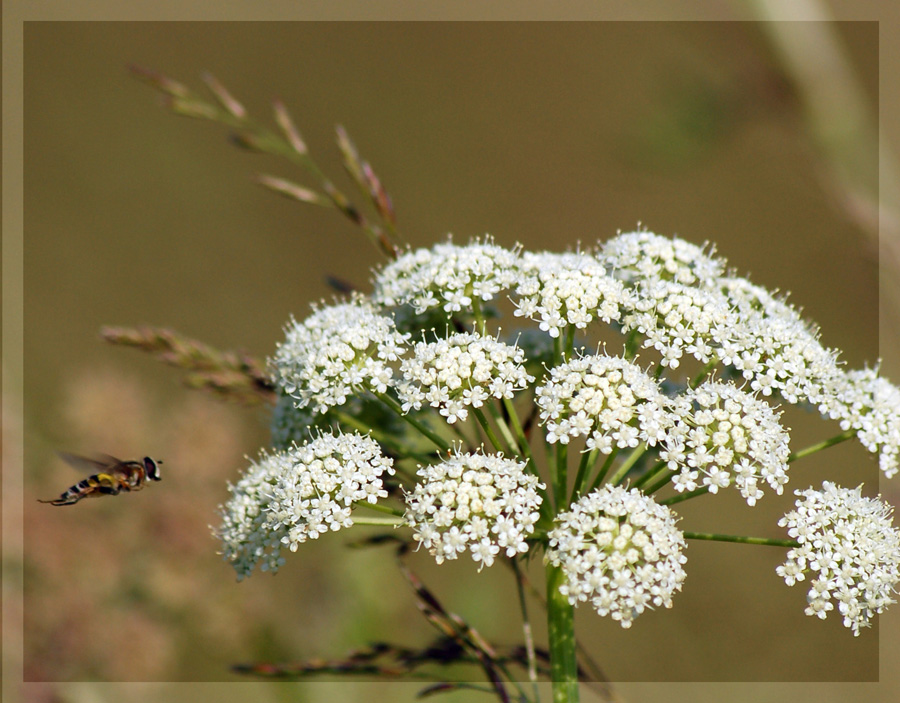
{"type": "Point", "coordinates": [86, 464]}
{"type": "Point", "coordinates": [103, 465]}
{"type": "Point", "coordinates": [111, 463]}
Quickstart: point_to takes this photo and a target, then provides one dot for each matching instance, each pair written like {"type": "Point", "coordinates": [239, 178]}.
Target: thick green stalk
{"type": "Point", "coordinates": [561, 635]}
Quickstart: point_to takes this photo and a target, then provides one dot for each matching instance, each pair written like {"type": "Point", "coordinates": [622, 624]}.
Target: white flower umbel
{"type": "Point", "coordinates": [337, 351]}
{"type": "Point", "coordinates": [870, 405]}
{"type": "Point", "coordinates": [481, 503]}
{"type": "Point", "coordinates": [246, 538]}
{"type": "Point", "coordinates": [322, 480]}
{"type": "Point", "coordinates": [557, 290]}
{"type": "Point", "coordinates": [607, 398]}
{"type": "Point", "coordinates": [447, 275]}
{"type": "Point", "coordinates": [849, 545]}
{"type": "Point", "coordinates": [677, 319]}
{"type": "Point", "coordinates": [460, 371]}
{"type": "Point", "coordinates": [775, 349]}
{"type": "Point", "coordinates": [725, 434]}
{"type": "Point", "coordinates": [636, 256]}
{"type": "Point", "coordinates": [620, 550]}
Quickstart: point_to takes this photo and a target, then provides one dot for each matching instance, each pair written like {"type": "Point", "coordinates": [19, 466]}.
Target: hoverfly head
{"type": "Point", "coordinates": [152, 468]}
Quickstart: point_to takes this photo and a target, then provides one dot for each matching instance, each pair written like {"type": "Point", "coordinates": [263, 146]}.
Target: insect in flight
{"type": "Point", "coordinates": [112, 476]}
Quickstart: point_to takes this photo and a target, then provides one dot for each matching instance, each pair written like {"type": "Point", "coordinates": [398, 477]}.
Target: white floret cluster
{"type": "Point", "coordinates": [849, 546]}
{"type": "Point", "coordinates": [337, 351]}
{"type": "Point", "coordinates": [557, 290]}
{"type": "Point", "coordinates": [776, 349]}
{"type": "Point", "coordinates": [620, 550]}
{"type": "Point", "coordinates": [324, 478]}
{"type": "Point", "coordinates": [870, 405]}
{"type": "Point", "coordinates": [677, 319]}
{"type": "Point", "coordinates": [448, 276]}
{"type": "Point", "coordinates": [639, 256]}
{"type": "Point", "coordinates": [461, 371]}
{"type": "Point", "coordinates": [612, 401]}
{"type": "Point", "coordinates": [286, 498]}
{"type": "Point", "coordinates": [481, 503]}
{"type": "Point", "coordinates": [725, 434]}
{"type": "Point", "coordinates": [244, 532]}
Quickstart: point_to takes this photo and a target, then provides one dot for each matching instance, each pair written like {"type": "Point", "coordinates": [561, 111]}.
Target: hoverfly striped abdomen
{"type": "Point", "coordinates": [114, 476]}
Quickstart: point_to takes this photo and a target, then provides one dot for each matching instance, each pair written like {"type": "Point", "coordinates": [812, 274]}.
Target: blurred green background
{"type": "Point", "coordinates": [544, 134]}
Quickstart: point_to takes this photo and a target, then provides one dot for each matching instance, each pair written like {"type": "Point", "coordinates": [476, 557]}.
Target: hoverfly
{"type": "Point", "coordinates": [112, 476]}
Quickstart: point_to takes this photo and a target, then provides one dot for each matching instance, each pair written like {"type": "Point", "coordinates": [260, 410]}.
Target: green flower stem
{"type": "Point", "coordinates": [525, 451]}
{"type": "Point", "coordinates": [664, 481]}
{"type": "Point", "coordinates": [480, 322]}
{"type": "Point", "coordinates": [385, 440]}
{"type": "Point", "coordinates": [517, 428]}
{"type": "Point", "coordinates": [438, 441]}
{"type": "Point", "coordinates": [837, 439]}
{"type": "Point", "coordinates": [373, 521]}
{"type": "Point", "coordinates": [632, 342]}
{"type": "Point", "coordinates": [569, 349]}
{"type": "Point", "coordinates": [476, 431]}
{"type": "Point", "coordinates": [377, 435]}
{"type": "Point", "coordinates": [604, 469]}
{"type": "Point", "coordinates": [488, 430]}
{"type": "Point", "coordinates": [526, 630]}
{"type": "Point", "coordinates": [561, 476]}
{"type": "Point", "coordinates": [379, 507]}
{"type": "Point", "coordinates": [627, 464]}
{"type": "Point", "coordinates": [742, 540]}
{"type": "Point", "coordinates": [561, 636]}
{"type": "Point", "coordinates": [685, 496]}
{"type": "Point", "coordinates": [588, 459]}
{"type": "Point", "coordinates": [710, 365]}
{"type": "Point", "coordinates": [511, 442]}
{"type": "Point", "coordinates": [548, 509]}
{"type": "Point", "coordinates": [652, 473]}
